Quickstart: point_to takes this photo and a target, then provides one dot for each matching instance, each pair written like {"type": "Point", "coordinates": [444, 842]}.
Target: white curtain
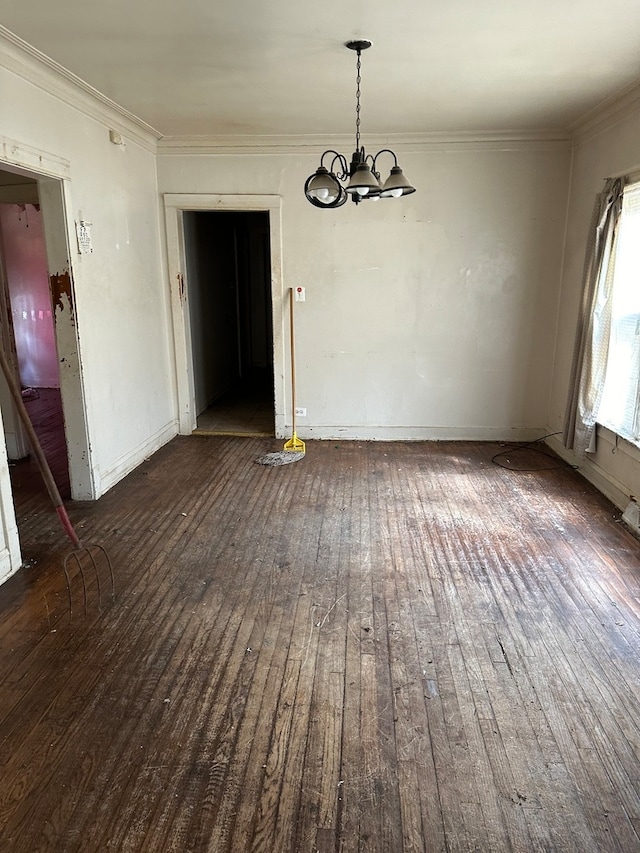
{"type": "Point", "coordinates": [594, 322]}
{"type": "Point", "coordinates": [620, 405]}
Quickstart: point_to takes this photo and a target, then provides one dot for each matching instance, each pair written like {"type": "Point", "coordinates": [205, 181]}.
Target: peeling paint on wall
{"type": "Point", "coordinates": [61, 287]}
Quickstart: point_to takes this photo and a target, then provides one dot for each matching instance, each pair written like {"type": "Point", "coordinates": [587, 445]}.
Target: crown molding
{"type": "Point", "coordinates": [607, 114]}
{"type": "Point", "coordinates": [30, 64]}
{"type": "Point", "coordinates": [407, 143]}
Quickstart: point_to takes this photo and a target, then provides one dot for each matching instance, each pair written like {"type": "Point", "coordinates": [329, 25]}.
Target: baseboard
{"type": "Point", "coordinates": [130, 461]}
{"type": "Point", "coordinates": [6, 567]}
{"type": "Point", "coordinates": [410, 433]}
{"type": "Point", "coordinates": [604, 482]}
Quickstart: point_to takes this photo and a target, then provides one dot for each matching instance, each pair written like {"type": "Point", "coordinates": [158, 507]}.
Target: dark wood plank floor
{"type": "Point", "coordinates": [44, 408]}
{"type": "Point", "coordinates": [245, 410]}
{"type": "Point", "coordinates": [383, 647]}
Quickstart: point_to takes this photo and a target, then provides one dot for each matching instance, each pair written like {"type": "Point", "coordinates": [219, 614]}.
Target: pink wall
{"type": "Point", "coordinates": [26, 265]}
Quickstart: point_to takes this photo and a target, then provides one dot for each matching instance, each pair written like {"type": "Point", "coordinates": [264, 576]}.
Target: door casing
{"type": "Point", "coordinates": [52, 175]}
{"type": "Point", "coordinates": [175, 205]}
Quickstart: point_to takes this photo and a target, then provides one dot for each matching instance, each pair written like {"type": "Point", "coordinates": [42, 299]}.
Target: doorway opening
{"type": "Point", "coordinates": [28, 333]}
{"type": "Point", "coordinates": [230, 328]}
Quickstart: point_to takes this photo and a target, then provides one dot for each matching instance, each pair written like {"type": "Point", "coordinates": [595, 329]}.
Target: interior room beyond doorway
{"type": "Point", "coordinates": [30, 329]}
{"type": "Point", "coordinates": [229, 299]}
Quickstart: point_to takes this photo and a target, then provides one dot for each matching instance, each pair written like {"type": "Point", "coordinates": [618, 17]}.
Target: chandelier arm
{"type": "Point", "coordinates": [344, 168]}
{"type": "Point", "coordinates": [337, 158]}
{"type": "Point", "coordinates": [385, 151]}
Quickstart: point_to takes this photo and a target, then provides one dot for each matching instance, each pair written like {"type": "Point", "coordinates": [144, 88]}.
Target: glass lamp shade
{"type": "Point", "coordinates": [374, 194]}
{"type": "Point", "coordinates": [323, 186]}
{"type": "Point", "coordinates": [396, 184]}
{"type": "Point", "coordinates": [363, 182]}
{"type": "Point", "coordinates": [323, 189]}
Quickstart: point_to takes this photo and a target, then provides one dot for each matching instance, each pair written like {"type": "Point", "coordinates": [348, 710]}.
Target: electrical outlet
{"type": "Point", "coordinates": [301, 412]}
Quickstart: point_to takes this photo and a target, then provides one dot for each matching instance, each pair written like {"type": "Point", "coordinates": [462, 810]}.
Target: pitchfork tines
{"type": "Point", "coordinates": [90, 553]}
{"type": "Point", "coordinates": [84, 556]}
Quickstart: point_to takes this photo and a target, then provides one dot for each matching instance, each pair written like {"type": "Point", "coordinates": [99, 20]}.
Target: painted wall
{"type": "Point", "coordinates": [28, 278]}
{"type": "Point", "coordinates": [121, 300]}
{"type": "Point", "coordinates": [614, 150]}
{"type": "Point", "coordinates": [432, 316]}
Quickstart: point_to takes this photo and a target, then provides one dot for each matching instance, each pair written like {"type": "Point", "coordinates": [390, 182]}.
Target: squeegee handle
{"type": "Point", "coordinates": [292, 351]}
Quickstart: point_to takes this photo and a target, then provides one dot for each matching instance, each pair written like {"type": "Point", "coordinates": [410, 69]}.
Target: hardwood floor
{"type": "Point", "coordinates": [45, 411]}
{"type": "Point", "coordinates": [245, 410]}
{"type": "Point", "coordinates": [383, 647]}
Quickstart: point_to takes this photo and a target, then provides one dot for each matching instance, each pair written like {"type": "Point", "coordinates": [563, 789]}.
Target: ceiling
{"type": "Point", "coordinates": [219, 67]}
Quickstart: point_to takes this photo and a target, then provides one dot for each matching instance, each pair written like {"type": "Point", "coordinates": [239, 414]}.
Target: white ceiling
{"type": "Point", "coordinates": [218, 67]}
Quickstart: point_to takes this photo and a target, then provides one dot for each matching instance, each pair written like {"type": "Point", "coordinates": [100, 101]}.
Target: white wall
{"type": "Point", "coordinates": [120, 295]}
{"type": "Point", "coordinates": [431, 316]}
{"type": "Point", "coordinates": [121, 301]}
{"type": "Point", "coordinates": [604, 149]}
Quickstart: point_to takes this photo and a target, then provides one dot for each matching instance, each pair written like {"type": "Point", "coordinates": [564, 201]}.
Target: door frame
{"type": "Point", "coordinates": [53, 178]}
{"type": "Point", "coordinates": [15, 435]}
{"type": "Point", "coordinates": [175, 205]}
{"type": "Point", "coordinates": [52, 174]}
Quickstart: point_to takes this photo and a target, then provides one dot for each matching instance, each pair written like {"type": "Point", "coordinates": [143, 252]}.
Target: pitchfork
{"type": "Point", "coordinates": [82, 555]}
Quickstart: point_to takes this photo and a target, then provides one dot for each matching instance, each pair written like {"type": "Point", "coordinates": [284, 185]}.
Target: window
{"type": "Point", "coordinates": [619, 409]}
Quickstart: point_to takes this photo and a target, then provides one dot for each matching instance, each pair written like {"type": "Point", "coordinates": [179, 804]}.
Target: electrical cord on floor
{"type": "Point", "coordinates": [531, 445]}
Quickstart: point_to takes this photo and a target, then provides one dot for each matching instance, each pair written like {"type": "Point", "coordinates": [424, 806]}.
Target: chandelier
{"type": "Point", "coordinates": [361, 178]}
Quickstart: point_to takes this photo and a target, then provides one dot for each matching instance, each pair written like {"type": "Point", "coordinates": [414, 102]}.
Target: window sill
{"type": "Point", "coordinates": [619, 442]}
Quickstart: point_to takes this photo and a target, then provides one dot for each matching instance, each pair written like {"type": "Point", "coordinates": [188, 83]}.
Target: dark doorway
{"type": "Point", "coordinates": [229, 300]}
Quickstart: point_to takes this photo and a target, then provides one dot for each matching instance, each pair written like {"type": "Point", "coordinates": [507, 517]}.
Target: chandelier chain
{"type": "Point", "coordinates": [336, 180]}
{"type": "Point", "coordinates": [358, 78]}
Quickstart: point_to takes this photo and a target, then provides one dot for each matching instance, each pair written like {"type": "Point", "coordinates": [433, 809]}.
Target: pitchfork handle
{"type": "Point", "coordinates": [38, 452]}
